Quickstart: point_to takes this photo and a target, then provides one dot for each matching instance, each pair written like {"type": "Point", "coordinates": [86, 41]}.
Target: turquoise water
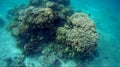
{"type": "Point", "coordinates": [105, 14]}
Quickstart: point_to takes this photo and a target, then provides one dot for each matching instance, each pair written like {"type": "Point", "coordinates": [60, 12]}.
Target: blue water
{"type": "Point", "coordinates": [105, 14]}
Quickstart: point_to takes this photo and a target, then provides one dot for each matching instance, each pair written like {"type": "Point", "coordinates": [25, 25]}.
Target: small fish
{"type": "Point", "coordinates": [106, 57]}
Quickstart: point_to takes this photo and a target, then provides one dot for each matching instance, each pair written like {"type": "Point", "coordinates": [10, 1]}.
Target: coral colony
{"type": "Point", "coordinates": [52, 29]}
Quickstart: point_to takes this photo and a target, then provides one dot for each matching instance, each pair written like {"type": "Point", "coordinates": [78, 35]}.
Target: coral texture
{"type": "Point", "coordinates": [41, 22]}
{"type": "Point", "coordinates": [78, 36]}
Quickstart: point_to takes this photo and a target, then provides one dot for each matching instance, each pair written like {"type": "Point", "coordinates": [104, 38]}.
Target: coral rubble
{"type": "Point", "coordinates": [54, 21]}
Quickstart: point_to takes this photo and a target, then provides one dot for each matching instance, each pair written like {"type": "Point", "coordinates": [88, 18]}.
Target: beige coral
{"type": "Point", "coordinates": [81, 37]}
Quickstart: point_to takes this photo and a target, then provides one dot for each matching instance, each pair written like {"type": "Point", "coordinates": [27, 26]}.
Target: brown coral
{"type": "Point", "coordinates": [81, 38]}
{"type": "Point", "coordinates": [44, 21]}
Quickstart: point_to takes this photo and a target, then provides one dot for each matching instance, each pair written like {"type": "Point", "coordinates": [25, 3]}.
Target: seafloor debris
{"type": "Point", "coordinates": [52, 21]}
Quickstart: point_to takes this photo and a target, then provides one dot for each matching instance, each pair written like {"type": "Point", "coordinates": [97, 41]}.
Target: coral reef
{"type": "Point", "coordinates": [34, 25]}
{"type": "Point", "coordinates": [13, 12]}
{"type": "Point", "coordinates": [52, 21]}
{"type": "Point", "coordinates": [78, 36]}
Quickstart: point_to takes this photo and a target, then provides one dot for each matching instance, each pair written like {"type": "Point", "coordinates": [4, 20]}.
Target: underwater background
{"type": "Point", "coordinates": [105, 14]}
